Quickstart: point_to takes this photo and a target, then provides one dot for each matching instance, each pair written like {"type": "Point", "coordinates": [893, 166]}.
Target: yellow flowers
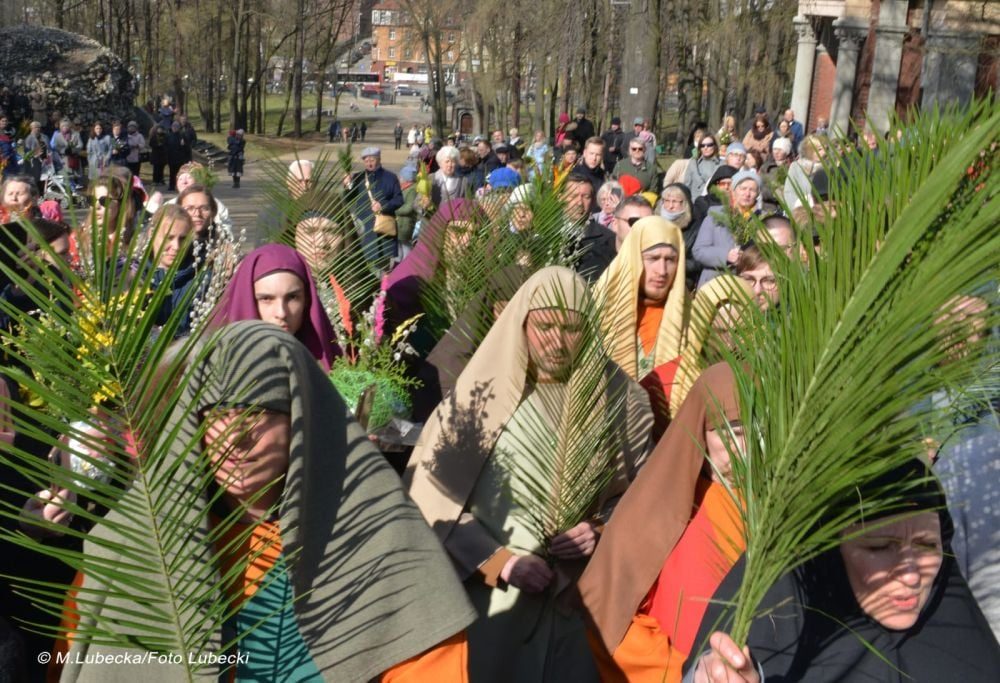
{"type": "Point", "coordinates": [92, 334]}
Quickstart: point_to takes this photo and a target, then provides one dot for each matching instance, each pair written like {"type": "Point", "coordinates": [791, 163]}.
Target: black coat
{"type": "Point", "coordinates": [616, 139]}
{"type": "Point", "coordinates": [597, 250]}
{"type": "Point", "coordinates": [584, 131]}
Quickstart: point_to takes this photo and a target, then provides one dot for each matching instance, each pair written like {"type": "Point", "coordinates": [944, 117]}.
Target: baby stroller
{"type": "Point", "coordinates": [64, 188]}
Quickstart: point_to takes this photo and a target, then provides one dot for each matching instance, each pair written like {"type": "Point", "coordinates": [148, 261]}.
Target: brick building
{"type": "Point", "coordinates": [398, 49]}
{"type": "Point", "coordinates": [868, 58]}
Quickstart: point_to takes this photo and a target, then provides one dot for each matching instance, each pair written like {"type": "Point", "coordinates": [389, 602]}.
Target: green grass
{"type": "Point", "coordinates": [275, 104]}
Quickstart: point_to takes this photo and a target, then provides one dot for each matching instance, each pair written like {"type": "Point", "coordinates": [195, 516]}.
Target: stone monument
{"type": "Point", "coordinates": [47, 70]}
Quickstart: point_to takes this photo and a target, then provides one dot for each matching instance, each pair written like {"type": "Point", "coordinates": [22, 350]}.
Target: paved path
{"type": "Point", "coordinates": [247, 202]}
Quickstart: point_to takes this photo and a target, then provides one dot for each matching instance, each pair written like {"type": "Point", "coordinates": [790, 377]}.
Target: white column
{"type": "Point", "coordinates": [849, 38]}
{"type": "Point", "coordinates": [805, 61]}
{"type": "Point", "coordinates": [889, 36]}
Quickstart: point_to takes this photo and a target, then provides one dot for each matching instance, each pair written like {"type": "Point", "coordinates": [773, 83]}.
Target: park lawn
{"type": "Point", "coordinates": [274, 106]}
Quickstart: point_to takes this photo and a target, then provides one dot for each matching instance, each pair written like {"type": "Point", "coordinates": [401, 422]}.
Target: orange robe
{"type": "Point", "coordinates": [660, 379]}
{"type": "Point", "coordinates": [662, 634]}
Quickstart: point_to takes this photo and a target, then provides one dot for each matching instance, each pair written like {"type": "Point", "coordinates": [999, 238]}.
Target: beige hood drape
{"type": "Point", "coordinates": [617, 294]}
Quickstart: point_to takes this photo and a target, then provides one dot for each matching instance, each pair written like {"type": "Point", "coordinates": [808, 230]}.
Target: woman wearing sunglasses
{"type": "Point", "coordinates": [700, 170]}
{"type": "Point", "coordinates": [111, 219]}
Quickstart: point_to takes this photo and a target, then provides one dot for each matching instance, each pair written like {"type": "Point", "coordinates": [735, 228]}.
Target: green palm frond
{"type": "Point", "coordinates": [834, 382]}
{"type": "Point", "coordinates": [317, 221]}
{"type": "Point", "coordinates": [473, 255]}
{"type": "Point", "coordinates": [564, 450]}
{"type": "Point", "coordinates": [116, 452]}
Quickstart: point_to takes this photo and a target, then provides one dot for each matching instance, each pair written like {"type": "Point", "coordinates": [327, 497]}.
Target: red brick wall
{"type": "Point", "coordinates": [911, 64]}
{"type": "Point", "coordinates": [821, 99]}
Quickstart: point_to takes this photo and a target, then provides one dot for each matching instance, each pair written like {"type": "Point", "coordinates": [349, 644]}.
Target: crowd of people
{"type": "Point", "coordinates": [448, 568]}
{"type": "Point", "coordinates": [62, 145]}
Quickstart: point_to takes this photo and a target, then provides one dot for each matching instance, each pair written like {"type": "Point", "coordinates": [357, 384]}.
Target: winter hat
{"type": "Point", "coordinates": [503, 178]}
{"type": "Point", "coordinates": [783, 143]}
{"type": "Point", "coordinates": [630, 184]}
{"type": "Point", "coordinates": [736, 148]}
{"type": "Point", "coordinates": [743, 176]}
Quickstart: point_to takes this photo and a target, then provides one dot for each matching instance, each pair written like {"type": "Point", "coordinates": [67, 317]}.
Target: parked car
{"type": "Point", "coordinates": [406, 90]}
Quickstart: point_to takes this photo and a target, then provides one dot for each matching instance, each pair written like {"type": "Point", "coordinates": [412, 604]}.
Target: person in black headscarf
{"type": "Point", "coordinates": [886, 605]}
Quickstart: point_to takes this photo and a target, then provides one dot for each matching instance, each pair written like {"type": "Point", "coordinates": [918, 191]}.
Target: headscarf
{"type": "Point", "coordinates": [617, 292]}
{"type": "Point", "coordinates": [404, 283]}
{"type": "Point", "coordinates": [239, 303]}
{"type": "Point", "coordinates": [683, 218]}
{"type": "Point", "coordinates": [723, 289]}
{"type": "Point", "coordinates": [371, 585]}
{"type": "Point", "coordinates": [816, 631]}
{"type": "Point", "coordinates": [460, 435]}
{"type": "Point", "coordinates": [655, 510]}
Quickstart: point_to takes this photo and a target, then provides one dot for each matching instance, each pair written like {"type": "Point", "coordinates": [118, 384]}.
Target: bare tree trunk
{"type": "Point", "coordinates": [516, 80]}
{"type": "Point", "coordinates": [640, 63]}
{"type": "Point", "coordinates": [239, 11]}
{"type": "Point", "coordinates": [297, 66]}
{"type": "Point", "coordinates": [288, 100]}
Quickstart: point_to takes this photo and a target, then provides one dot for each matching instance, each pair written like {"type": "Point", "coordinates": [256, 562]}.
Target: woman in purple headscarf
{"type": "Point", "coordinates": [273, 284]}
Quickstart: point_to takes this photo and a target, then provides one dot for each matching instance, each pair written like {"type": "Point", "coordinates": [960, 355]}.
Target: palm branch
{"type": "Point", "coordinates": [110, 383]}
{"type": "Point", "coordinates": [564, 449]}
{"type": "Point", "coordinates": [833, 383]}
{"type": "Point", "coordinates": [472, 257]}
{"type": "Point", "coordinates": [319, 224]}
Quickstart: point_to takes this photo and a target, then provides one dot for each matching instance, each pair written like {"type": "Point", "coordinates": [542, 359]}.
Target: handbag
{"type": "Point", "coordinates": [384, 225]}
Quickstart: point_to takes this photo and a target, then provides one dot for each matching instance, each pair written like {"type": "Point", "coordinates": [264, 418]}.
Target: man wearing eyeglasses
{"type": "Point", "coordinates": [700, 170]}
{"type": "Point", "coordinates": [637, 166]}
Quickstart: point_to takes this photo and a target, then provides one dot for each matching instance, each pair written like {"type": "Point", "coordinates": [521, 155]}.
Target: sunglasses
{"type": "Point", "coordinates": [106, 200]}
{"type": "Point", "coordinates": [631, 221]}
{"type": "Point", "coordinates": [638, 149]}
{"type": "Point", "coordinates": [707, 144]}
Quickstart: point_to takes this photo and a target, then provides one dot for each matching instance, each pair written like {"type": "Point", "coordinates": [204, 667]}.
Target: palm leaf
{"type": "Point", "coordinates": [833, 384]}
{"type": "Point", "coordinates": [141, 508]}
{"type": "Point", "coordinates": [474, 255]}
{"type": "Point", "coordinates": [563, 453]}
{"type": "Point", "coordinates": [319, 224]}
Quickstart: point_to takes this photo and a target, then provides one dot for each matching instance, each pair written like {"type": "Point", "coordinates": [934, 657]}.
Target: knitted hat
{"type": "Point", "coordinates": [784, 144]}
{"type": "Point", "coordinates": [743, 176]}
{"type": "Point", "coordinates": [504, 177]}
